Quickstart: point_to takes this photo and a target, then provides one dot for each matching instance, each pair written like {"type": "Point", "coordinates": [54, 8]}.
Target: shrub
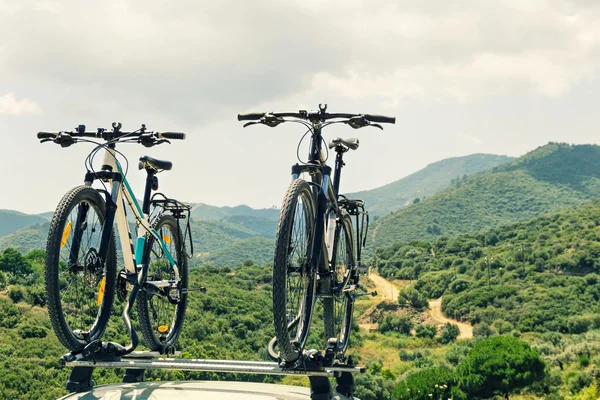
{"type": "Point", "coordinates": [426, 331]}
{"type": "Point", "coordinates": [412, 297]}
{"type": "Point", "coordinates": [17, 293]}
{"type": "Point", "coordinates": [483, 330]}
{"type": "Point", "coordinates": [396, 323]}
{"type": "Point", "coordinates": [426, 384]}
{"type": "Point", "coordinates": [449, 333]}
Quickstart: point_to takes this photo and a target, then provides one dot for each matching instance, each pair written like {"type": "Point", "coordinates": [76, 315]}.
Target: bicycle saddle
{"type": "Point", "coordinates": [146, 161]}
{"type": "Point", "coordinates": [350, 143]}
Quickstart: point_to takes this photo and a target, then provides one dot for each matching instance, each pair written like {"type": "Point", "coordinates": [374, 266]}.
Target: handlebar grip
{"type": "Point", "coordinates": [46, 135]}
{"type": "Point", "coordinates": [381, 119]}
{"type": "Point", "coordinates": [250, 117]}
{"type": "Point", "coordinates": [172, 135]}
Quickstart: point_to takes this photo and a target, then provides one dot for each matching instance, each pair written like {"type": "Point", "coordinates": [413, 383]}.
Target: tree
{"type": "Point", "coordinates": [483, 330]}
{"type": "Point", "coordinates": [449, 333]}
{"type": "Point", "coordinates": [425, 331]}
{"type": "Point", "coordinates": [416, 201]}
{"type": "Point", "coordinates": [396, 323]}
{"type": "Point", "coordinates": [412, 297]}
{"type": "Point", "coordinates": [13, 263]}
{"type": "Point", "coordinates": [498, 365]}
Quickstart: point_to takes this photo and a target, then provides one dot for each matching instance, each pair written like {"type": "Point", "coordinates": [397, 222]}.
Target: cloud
{"type": "Point", "coordinates": [472, 139]}
{"type": "Point", "coordinates": [10, 105]}
{"type": "Point", "coordinates": [200, 61]}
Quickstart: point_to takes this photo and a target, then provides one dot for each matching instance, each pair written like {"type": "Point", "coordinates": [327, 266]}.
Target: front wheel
{"type": "Point", "coordinates": [293, 278]}
{"type": "Point", "coordinates": [161, 312]}
{"type": "Point", "coordinates": [337, 310]}
{"type": "Point", "coordinates": [80, 282]}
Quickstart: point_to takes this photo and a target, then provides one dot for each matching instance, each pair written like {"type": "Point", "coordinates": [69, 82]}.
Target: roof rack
{"type": "Point", "coordinates": [312, 364]}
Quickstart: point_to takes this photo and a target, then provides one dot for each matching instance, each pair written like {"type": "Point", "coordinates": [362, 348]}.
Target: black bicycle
{"type": "Point", "coordinates": [315, 252]}
{"type": "Point", "coordinates": [81, 258]}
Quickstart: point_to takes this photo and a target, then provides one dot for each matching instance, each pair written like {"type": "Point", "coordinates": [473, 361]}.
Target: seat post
{"type": "Point", "coordinates": [150, 177]}
{"type": "Point", "coordinates": [339, 163]}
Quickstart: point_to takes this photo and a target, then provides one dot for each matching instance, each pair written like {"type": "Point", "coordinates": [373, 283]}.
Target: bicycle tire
{"type": "Point", "coordinates": [298, 197]}
{"type": "Point", "coordinates": [150, 320]}
{"type": "Point", "coordinates": [337, 310]}
{"type": "Point", "coordinates": [59, 236]}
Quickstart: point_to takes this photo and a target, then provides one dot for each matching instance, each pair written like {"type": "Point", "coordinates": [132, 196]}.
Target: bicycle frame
{"type": "Point", "coordinates": [121, 192]}
{"type": "Point", "coordinates": [320, 172]}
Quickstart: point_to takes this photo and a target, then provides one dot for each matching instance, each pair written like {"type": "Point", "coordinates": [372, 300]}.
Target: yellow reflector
{"type": "Point", "coordinates": [163, 328]}
{"type": "Point", "coordinates": [167, 239]}
{"type": "Point", "coordinates": [101, 291]}
{"type": "Point", "coordinates": [66, 234]}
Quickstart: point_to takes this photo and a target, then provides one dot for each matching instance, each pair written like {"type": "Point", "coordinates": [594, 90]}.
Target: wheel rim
{"type": "Point", "coordinates": [342, 263]}
{"type": "Point", "coordinates": [81, 273]}
{"type": "Point", "coordinates": [298, 266]}
{"type": "Point", "coordinates": [162, 308]}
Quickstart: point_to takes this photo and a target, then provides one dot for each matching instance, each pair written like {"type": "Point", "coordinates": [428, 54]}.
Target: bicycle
{"type": "Point", "coordinates": [315, 254]}
{"type": "Point", "coordinates": [81, 256]}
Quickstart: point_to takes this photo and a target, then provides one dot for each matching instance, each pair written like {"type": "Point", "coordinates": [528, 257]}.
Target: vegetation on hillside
{"type": "Point", "coordinates": [12, 221]}
{"type": "Point", "coordinates": [548, 178]}
{"type": "Point", "coordinates": [425, 183]}
{"type": "Point", "coordinates": [541, 275]}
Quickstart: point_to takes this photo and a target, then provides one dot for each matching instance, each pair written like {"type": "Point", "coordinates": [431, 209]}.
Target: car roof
{"type": "Point", "coordinates": [205, 390]}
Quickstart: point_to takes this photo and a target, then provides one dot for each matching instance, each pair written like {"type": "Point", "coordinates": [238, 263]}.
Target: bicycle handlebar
{"type": "Point", "coordinates": [380, 118]}
{"type": "Point", "coordinates": [144, 136]}
{"type": "Point", "coordinates": [318, 116]}
{"type": "Point", "coordinates": [171, 135]}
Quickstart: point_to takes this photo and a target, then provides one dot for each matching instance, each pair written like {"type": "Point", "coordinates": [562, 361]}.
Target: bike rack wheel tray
{"type": "Point", "coordinates": [312, 365]}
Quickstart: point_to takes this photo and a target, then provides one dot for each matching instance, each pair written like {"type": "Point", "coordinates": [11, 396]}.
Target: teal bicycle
{"type": "Point", "coordinates": [81, 253]}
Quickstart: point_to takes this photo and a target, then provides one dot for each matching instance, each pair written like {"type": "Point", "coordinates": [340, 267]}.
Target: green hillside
{"type": "Point", "coordinates": [27, 239]}
{"type": "Point", "coordinates": [548, 178]}
{"type": "Point", "coordinates": [542, 275]}
{"type": "Point", "coordinates": [258, 249]}
{"type": "Point", "coordinates": [426, 182]}
{"type": "Point", "coordinates": [218, 243]}
{"type": "Point", "coordinates": [205, 211]}
{"type": "Point", "coordinates": [11, 221]}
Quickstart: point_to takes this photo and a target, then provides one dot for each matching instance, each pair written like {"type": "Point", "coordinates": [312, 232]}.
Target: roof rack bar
{"type": "Point", "coordinates": [201, 366]}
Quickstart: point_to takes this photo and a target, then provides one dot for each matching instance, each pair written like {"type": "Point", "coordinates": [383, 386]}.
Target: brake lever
{"type": "Point", "coordinates": [250, 123]}
{"type": "Point", "coordinates": [271, 120]}
{"type": "Point", "coordinates": [64, 139]}
{"type": "Point", "coordinates": [46, 140]}
{"type": "Point", "coordinates": [357, 122]}
{"type": "Point", "coordinates": [375, 125]}
{"type": "Point", "coordinates": [163, 141]}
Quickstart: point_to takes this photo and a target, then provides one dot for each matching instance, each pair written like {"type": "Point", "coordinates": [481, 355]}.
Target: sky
{"type": "Point", "coordinates": [461, 77]}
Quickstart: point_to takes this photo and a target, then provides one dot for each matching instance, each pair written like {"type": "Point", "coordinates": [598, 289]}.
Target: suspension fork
{"type": "Point", "coordinates": [82, 210]}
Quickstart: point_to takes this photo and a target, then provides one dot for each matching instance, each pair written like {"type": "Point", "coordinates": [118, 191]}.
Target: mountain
{"type": "Point", "coordinates": [218, 243]}
{"type": "Point", "coordinates": [205, 211]}
{"type": "Point", "coordinates": [11, 221]}
{"type": "Point", "coordinates": [26, 239]}
{"type": "Point", "coordinates": [425, 183]}
{"type": "Point", "coordinates": [540, 275]}
{"type": "Point", "coordinates": [550, 177]}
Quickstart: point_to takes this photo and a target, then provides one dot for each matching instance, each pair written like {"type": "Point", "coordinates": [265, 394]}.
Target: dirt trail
{"type": "Point", "coordinates": [385, 289]}
{"type": "Point", "coordinates": [435, 312]}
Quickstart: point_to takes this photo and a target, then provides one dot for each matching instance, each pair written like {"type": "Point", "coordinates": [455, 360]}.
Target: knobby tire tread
{"type": "Point", "coordinates": [55, 233]}
{"type": "Point", "coordinates": [284, 227]}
